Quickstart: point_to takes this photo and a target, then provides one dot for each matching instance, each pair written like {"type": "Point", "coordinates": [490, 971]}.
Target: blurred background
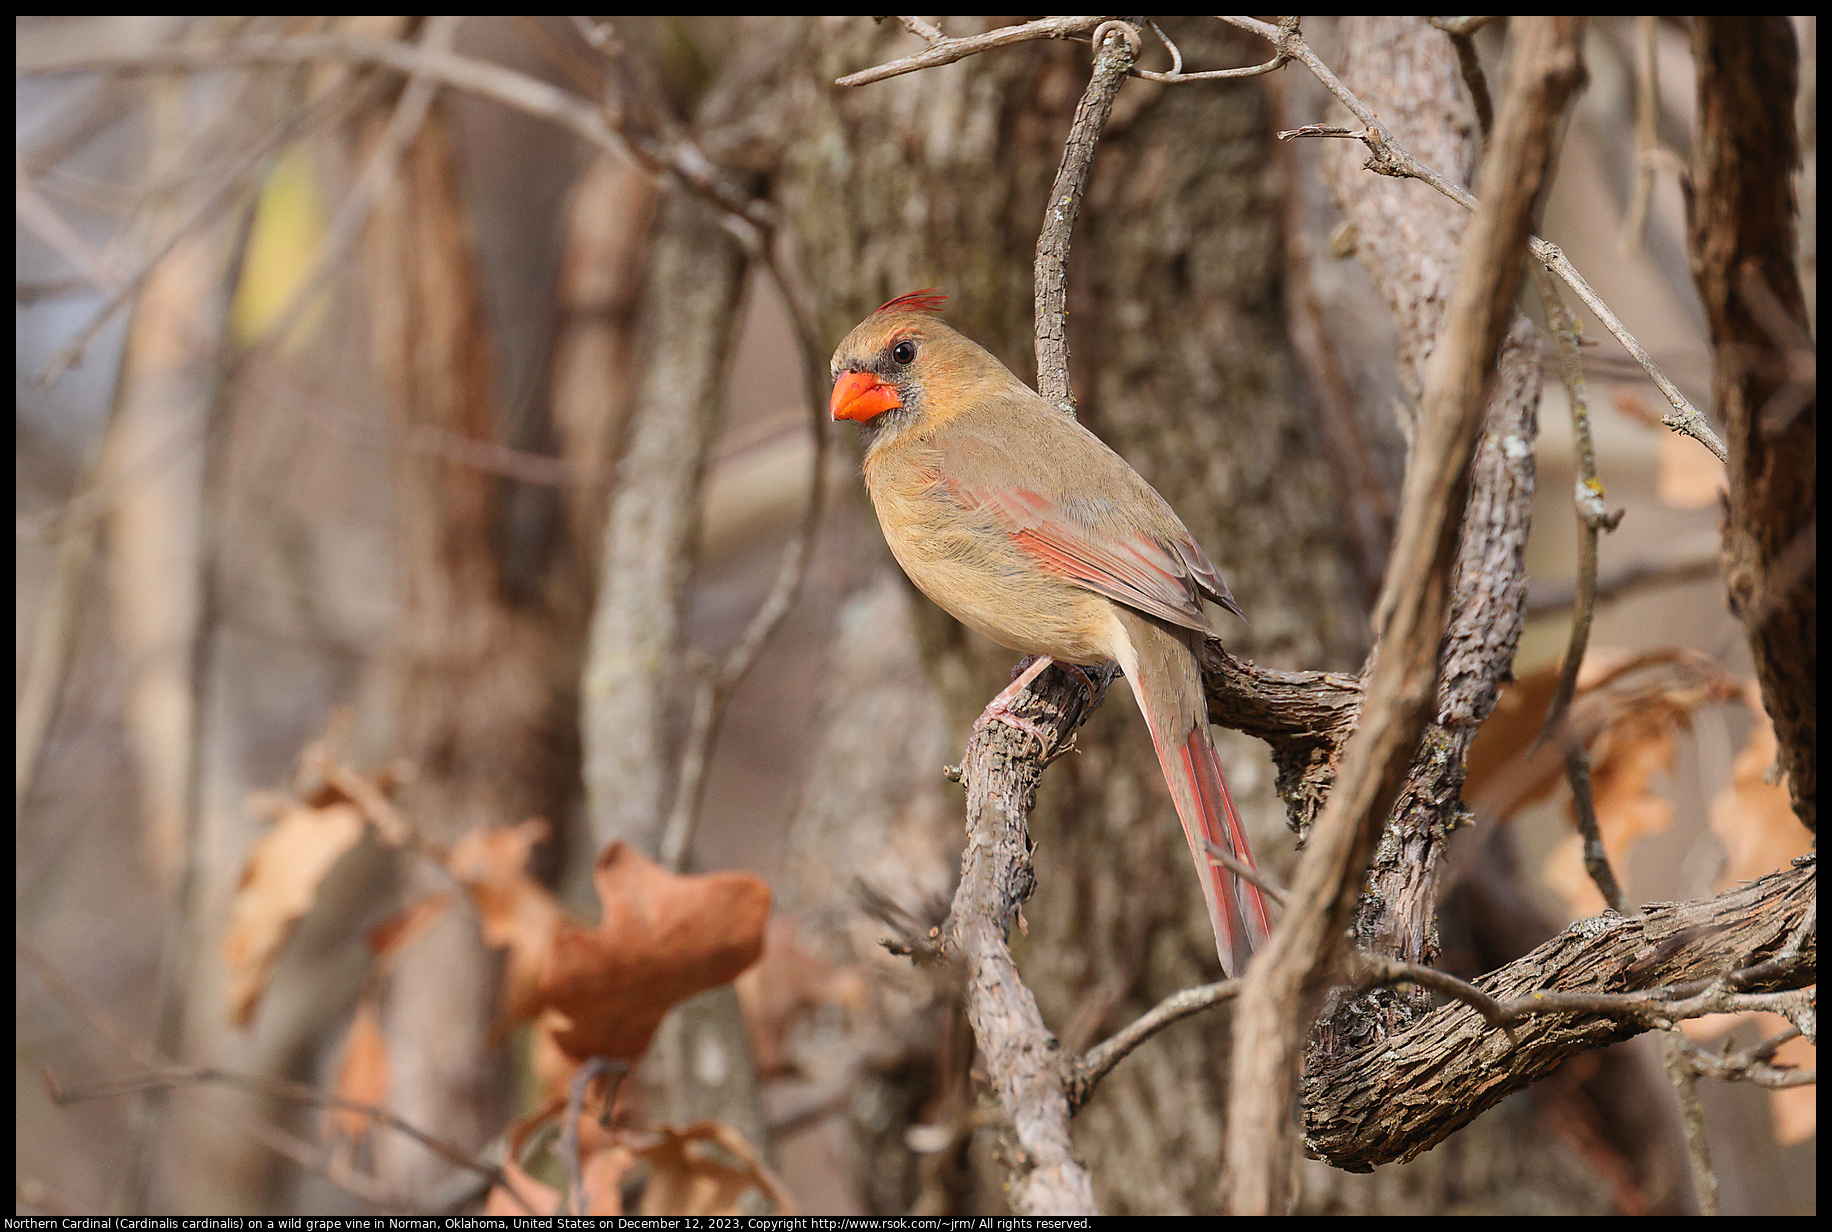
{"type": "Point", "coordinates": [384, 434]}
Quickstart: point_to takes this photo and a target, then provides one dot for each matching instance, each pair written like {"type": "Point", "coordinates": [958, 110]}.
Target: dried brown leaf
{"type": "Point", "coordinates": [1614, 687]}
{"type": "Point", "coordinates": [288, 863]}
{"type": "Point", "coordinates": [279, 884]}
{"type": "Point", "coordinates": [362, 1075]}
{"type": "Point", "coordinates": [1753, 817]}
{"type": "Point", "coordinates": [1621, 777]}
{"type": "Point", "coordinates": [663, 937]}
{"type": "Point", "coordinates": [517, 913]}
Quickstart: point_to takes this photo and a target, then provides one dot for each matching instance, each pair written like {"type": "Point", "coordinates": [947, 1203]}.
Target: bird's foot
{"type": "Point", "coordinates": [998, 710]}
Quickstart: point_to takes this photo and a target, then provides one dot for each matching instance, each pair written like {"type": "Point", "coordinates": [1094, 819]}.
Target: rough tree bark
{"type": "Point", "coordinates": [1743, 229]}
{"type": "Point", "coordinates": [637, 671]}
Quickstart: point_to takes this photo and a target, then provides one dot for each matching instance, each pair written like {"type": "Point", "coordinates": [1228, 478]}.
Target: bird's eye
{"type": "Point", "coordinates": [903, 353]}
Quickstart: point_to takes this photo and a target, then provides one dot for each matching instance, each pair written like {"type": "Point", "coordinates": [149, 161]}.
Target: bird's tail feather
{"type": "Point", "coordinates": [1168, 686]}
{"type": "Point", "coordinates": [1237, 908]}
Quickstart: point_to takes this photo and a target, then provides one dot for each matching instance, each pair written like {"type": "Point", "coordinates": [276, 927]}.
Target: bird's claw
{"type": "Point", "coordinates": [1001, 715]}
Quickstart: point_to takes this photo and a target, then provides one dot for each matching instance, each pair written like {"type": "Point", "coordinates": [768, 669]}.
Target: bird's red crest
{"type": "Point", "coordinates": [929, 299]}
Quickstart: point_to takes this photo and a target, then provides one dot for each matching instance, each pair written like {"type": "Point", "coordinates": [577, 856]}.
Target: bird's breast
{"type": "Point", "coordinates": [972, 568]}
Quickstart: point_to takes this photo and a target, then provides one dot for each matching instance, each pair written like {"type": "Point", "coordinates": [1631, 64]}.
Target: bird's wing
{"type": "Point", "coordinates": [1078, 510]}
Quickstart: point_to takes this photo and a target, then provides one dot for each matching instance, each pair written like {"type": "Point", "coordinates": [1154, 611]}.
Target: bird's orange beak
{"type": "Point", "coordinates": [861, 396]}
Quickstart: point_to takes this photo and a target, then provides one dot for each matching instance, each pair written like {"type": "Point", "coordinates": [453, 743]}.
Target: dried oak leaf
{"type": "Point", "coordinates": [516, 912]}
{"type": "Point", "coordinates": [1753, 817]}
{"type": "Point", "coordinates": [362, 1076]}
{"type": "Point", "coordinates": [1621, 785]}
{"type": "Point", "coordinates": [1507, 771]}
{"type": "Point", "coordinates": [279, 884]}
{"type": "Point", "coordinates": [663, 938]}
{"type": "Point", "coordinates": [287, 865]}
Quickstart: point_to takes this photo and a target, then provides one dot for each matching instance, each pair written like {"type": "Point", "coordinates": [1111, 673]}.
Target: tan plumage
{"type": "Point", "coordinates": [1024, 525]}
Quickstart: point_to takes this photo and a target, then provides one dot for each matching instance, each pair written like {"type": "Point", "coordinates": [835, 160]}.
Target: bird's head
{"type": "Point", "coordinates": [898, 366]}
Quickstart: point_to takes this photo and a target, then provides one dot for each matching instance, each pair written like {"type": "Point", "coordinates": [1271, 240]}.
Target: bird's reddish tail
{"type": "Point", "coordinates": [1237, 908]}
{"type": "Point", "coordinates": [1168, 686]}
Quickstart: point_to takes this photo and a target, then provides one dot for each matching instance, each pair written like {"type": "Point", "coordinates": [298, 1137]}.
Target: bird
{"type": "Point", "coordinates": [1022, 524]}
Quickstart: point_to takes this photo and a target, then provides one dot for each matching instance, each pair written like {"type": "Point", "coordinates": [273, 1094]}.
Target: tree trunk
{"type": "Point", "coordinates": [1743, 247]}
{"type": "Point", "coordinates": [1180, 363]}
{"type": "Point", "coordinates": [481, 704]}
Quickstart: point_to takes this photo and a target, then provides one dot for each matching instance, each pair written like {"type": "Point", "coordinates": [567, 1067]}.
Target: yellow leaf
{"type": "Point", "coordinates": [289, 228]}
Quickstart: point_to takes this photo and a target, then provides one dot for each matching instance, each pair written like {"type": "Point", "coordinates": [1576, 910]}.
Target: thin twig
{"type": "Point", "coordinates": [1752, 1065]}
{"type": "Point", "coordinates": [1647, 135]}
{"type": "Point", "coordinates": [1596, 856]}
{"type": "Point", "coordinates": [1113, 56]}
{"type": "Point", "coordinates": [1470, 65]}
{"type": "Point", "coordinates": [37, 216]}
{"type": "Point", "coordinates": [1391, 158]}
{"type": "Point", "coordinates": [168, 1077]}
{"type": "Point", "coordinates": [503, 85]}
{"type": "Point", "coordinates": [274, 1138]}
{"type": "Point", "coordinates": [1247, 873]}
{"type": "Point", "coordinates": [569, 1133]}
{"type": "Point", "coordinates": [1661, 1007]}
{"type": "Point", "coordinates": [41, 683]}
{"type": "Point", "coordinates": [1087, 1071]}
{"type": "Point", "coordinates": [1593, 513]}
{"type": "Point", "coordinates": [1692, 1118]}
{"type": "Point", "coordinates": [1547, 598]}
{"type": "Point", "coordinates": [1371, 970]}
{"type": "Point", "coordinates": [713, 695]}
{"type": "Point", "coordinates": [944, 50]}
{"type": "Point", "coordinates": [1177, 75]}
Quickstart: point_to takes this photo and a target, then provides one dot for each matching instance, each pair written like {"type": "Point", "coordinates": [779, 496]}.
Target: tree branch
{"type": "Point", "coordinates": [1600, 981]}
{"type": "Point", "coordinates": [1001, 770]}
{"type": "Point", "coordinates": [1283, 980]}
{"type": "Point", "coordinates": [1116, 47]}
{"type": "Point", "coordinates": [945, 50]}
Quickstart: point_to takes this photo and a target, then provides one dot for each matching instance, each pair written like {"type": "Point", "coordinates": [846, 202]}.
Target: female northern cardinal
{"type": "Point", "coordinates": [1020, 523]}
